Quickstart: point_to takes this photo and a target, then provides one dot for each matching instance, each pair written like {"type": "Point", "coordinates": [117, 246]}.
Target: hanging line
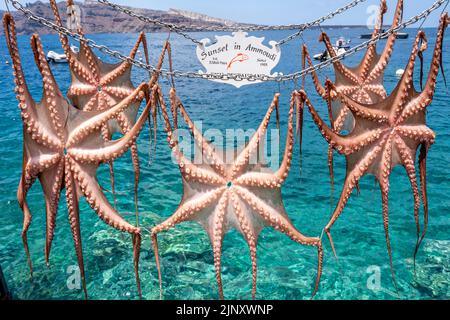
{"type": "Point", "coordinates": [208, 76]}
{"type": "Point", "coordinates": [181, 30]}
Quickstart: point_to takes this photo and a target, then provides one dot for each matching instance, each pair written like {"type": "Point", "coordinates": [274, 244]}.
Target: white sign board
{"type": "Point", "coordinates": [238, 55]}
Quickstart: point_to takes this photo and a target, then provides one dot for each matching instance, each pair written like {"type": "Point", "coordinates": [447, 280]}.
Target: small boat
{"type": "Point", "coordinates": [340, 47]}
{"type": "Point", "coordinates": [55, 57]}
{"type": "Point", "coordinates": [400, 35]}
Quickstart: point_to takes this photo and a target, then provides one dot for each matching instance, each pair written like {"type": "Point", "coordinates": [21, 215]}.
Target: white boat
{"type": "Point", "coordinates": [340, 47]}
{"type": "Point", "coordinates": [55, 57]}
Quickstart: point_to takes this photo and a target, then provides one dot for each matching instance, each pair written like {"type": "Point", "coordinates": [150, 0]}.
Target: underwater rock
{"type": "Point", "coordinates": [109, 247]}
{"type": "Point", "coordinates": [433, 274]}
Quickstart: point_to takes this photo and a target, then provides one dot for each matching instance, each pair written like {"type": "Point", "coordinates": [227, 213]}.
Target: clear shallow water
{"type": "Point", "coordinates": [286, 269]}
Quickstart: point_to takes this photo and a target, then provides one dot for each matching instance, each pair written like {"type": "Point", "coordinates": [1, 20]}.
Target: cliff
{"type": "Point", "coordinates": [99, 18]}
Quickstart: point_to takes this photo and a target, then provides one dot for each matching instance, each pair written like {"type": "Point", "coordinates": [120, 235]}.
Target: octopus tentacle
{"type": "Point", "coordinates": [102, 103]}
{"type": "Point", "coordinates": [75, 65]}
{"type": "Point", "coordinates": [319, 88]}
{"type": "Point", "coordinates": [183, 213]}
{"type": "Point", "coordinates": [419, 133]}
{"type": "Point", "coordinates": [406, 81]}
{"type": "Point", "coordinates": [51, 181]}
{"type": "Point", "coordinates": [347, 90]}
{"type": "Point", "coordinates": [90, 104]}
{"type": "Point", "coordinates": [114, 149]}
{"type": "Point", "coordinates": [106, 135]}
{"type": "Point", "coordinates": [125, 126]}
{"type": "Point", "coordinates": [385, 199]}
{"type": "Point", "coordinates": [337, 64]}
{"type": "Point", "coordinates": [423, 184]}
{"type": "Point", "coordinates": [26, 181]}
{"type": "Point", "coordinates": [118, 92]}
{"type": "Point", "coordinates": [283, 172]}
{"type": "Point", "coordinates": [331, 170]}
{"type": "Point", "coordinates": [386, 169]}
{"type": "Point", "coordinates": [63, 38]}
{"type": "Point", "coordinates": [259, 179]}
{"type": "Point", "coordinates": [137, 240]}
{"type": "Point", "coordinates": [376, 89]}
{"type": "Point", "coordinates": [51, 89]}
{"type": "Point", "coordinates": [350, 183]}
{"type": "Point", "coordinates": [190, 208]}
{"type": "Point", "coordinates": [389, 47]}
{"type": "Point", "coordinates": [72, 199]}
{"type": "Point", "coordinates": [299, 122]}
{"type": "Point", "coordinates": [282, 224]}
{"type": "Point", "coordinates": [424, 99]}
{"type": "Point", "coordinates": [189, 171]}
{"type": "Point", "coordinates": [152, 82]}
{"type": "Point", "coordinates": [250, 237]}
{"type": "Point", "coordinates": [244, 157]}
{"type": "Point", "coordinates": [408, 163]}
{"type": "Point", "coordinates": [166, 49]}
{"type": "Point", "coordinates": [338, 123]}
{"type": "Point", "coordinates": [342, 144]}
{"type": "Point", "coordinates": [81, 90]}
{"type": "Point", "coordinates": [358, 109]}
{"type": "Point", "coordinates": [95, 122]}
{"type": "Point", "coordinates": [36, 131]}
{"type": "Point", "coordinates": [207, 150]}
{"type": "Point", "coordinates": [362, 96]}
{"type": "Point", "coordinates": [218, 231]}
{"type": "Point", "coordinates": [136, 168]}
{"type": "Point", "coordinates": [154, 237]}
{"type": "Point", "coordinates": [98, 202]}
{"type": "Point", "coordinates": [372, 48]}
{"type": "Point", "coordinates": [330, 146]}
{"type": "Point", "coordinates": [125, 65]}
{"type": "Point", "coordinates": [32, 168]}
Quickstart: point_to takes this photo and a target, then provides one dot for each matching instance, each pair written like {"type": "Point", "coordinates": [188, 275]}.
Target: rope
{"type": "Point", "coordinates": [208, 76]}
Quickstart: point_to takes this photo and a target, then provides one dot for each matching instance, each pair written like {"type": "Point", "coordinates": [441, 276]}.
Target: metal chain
{"type": "Point", "coordinates": [225, 77]}
{"type": "Point", "coordinates": [182, 29]}
{"type": "Point", "coordinates": [319, 21]}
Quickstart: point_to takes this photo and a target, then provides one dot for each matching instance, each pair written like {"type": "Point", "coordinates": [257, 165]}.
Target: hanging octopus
{"type": "Point", "coordinates": [363, 83]}
{"type": "Point", "coordinates": [97, 85]}
{"type": "Point", "coordinates": [387, 134]}
{"type": "Point", "coordinates": [221, 196]}
{"type": "Point", "coordinates": [63, 148]}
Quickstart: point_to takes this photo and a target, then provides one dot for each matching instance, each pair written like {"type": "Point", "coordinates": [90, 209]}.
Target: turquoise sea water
{"type": "Point", "coordinates": [286, 270]}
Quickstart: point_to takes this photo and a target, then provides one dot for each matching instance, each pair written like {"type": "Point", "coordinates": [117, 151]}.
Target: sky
{"type": "Point", "coordinates": [280, 12]}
